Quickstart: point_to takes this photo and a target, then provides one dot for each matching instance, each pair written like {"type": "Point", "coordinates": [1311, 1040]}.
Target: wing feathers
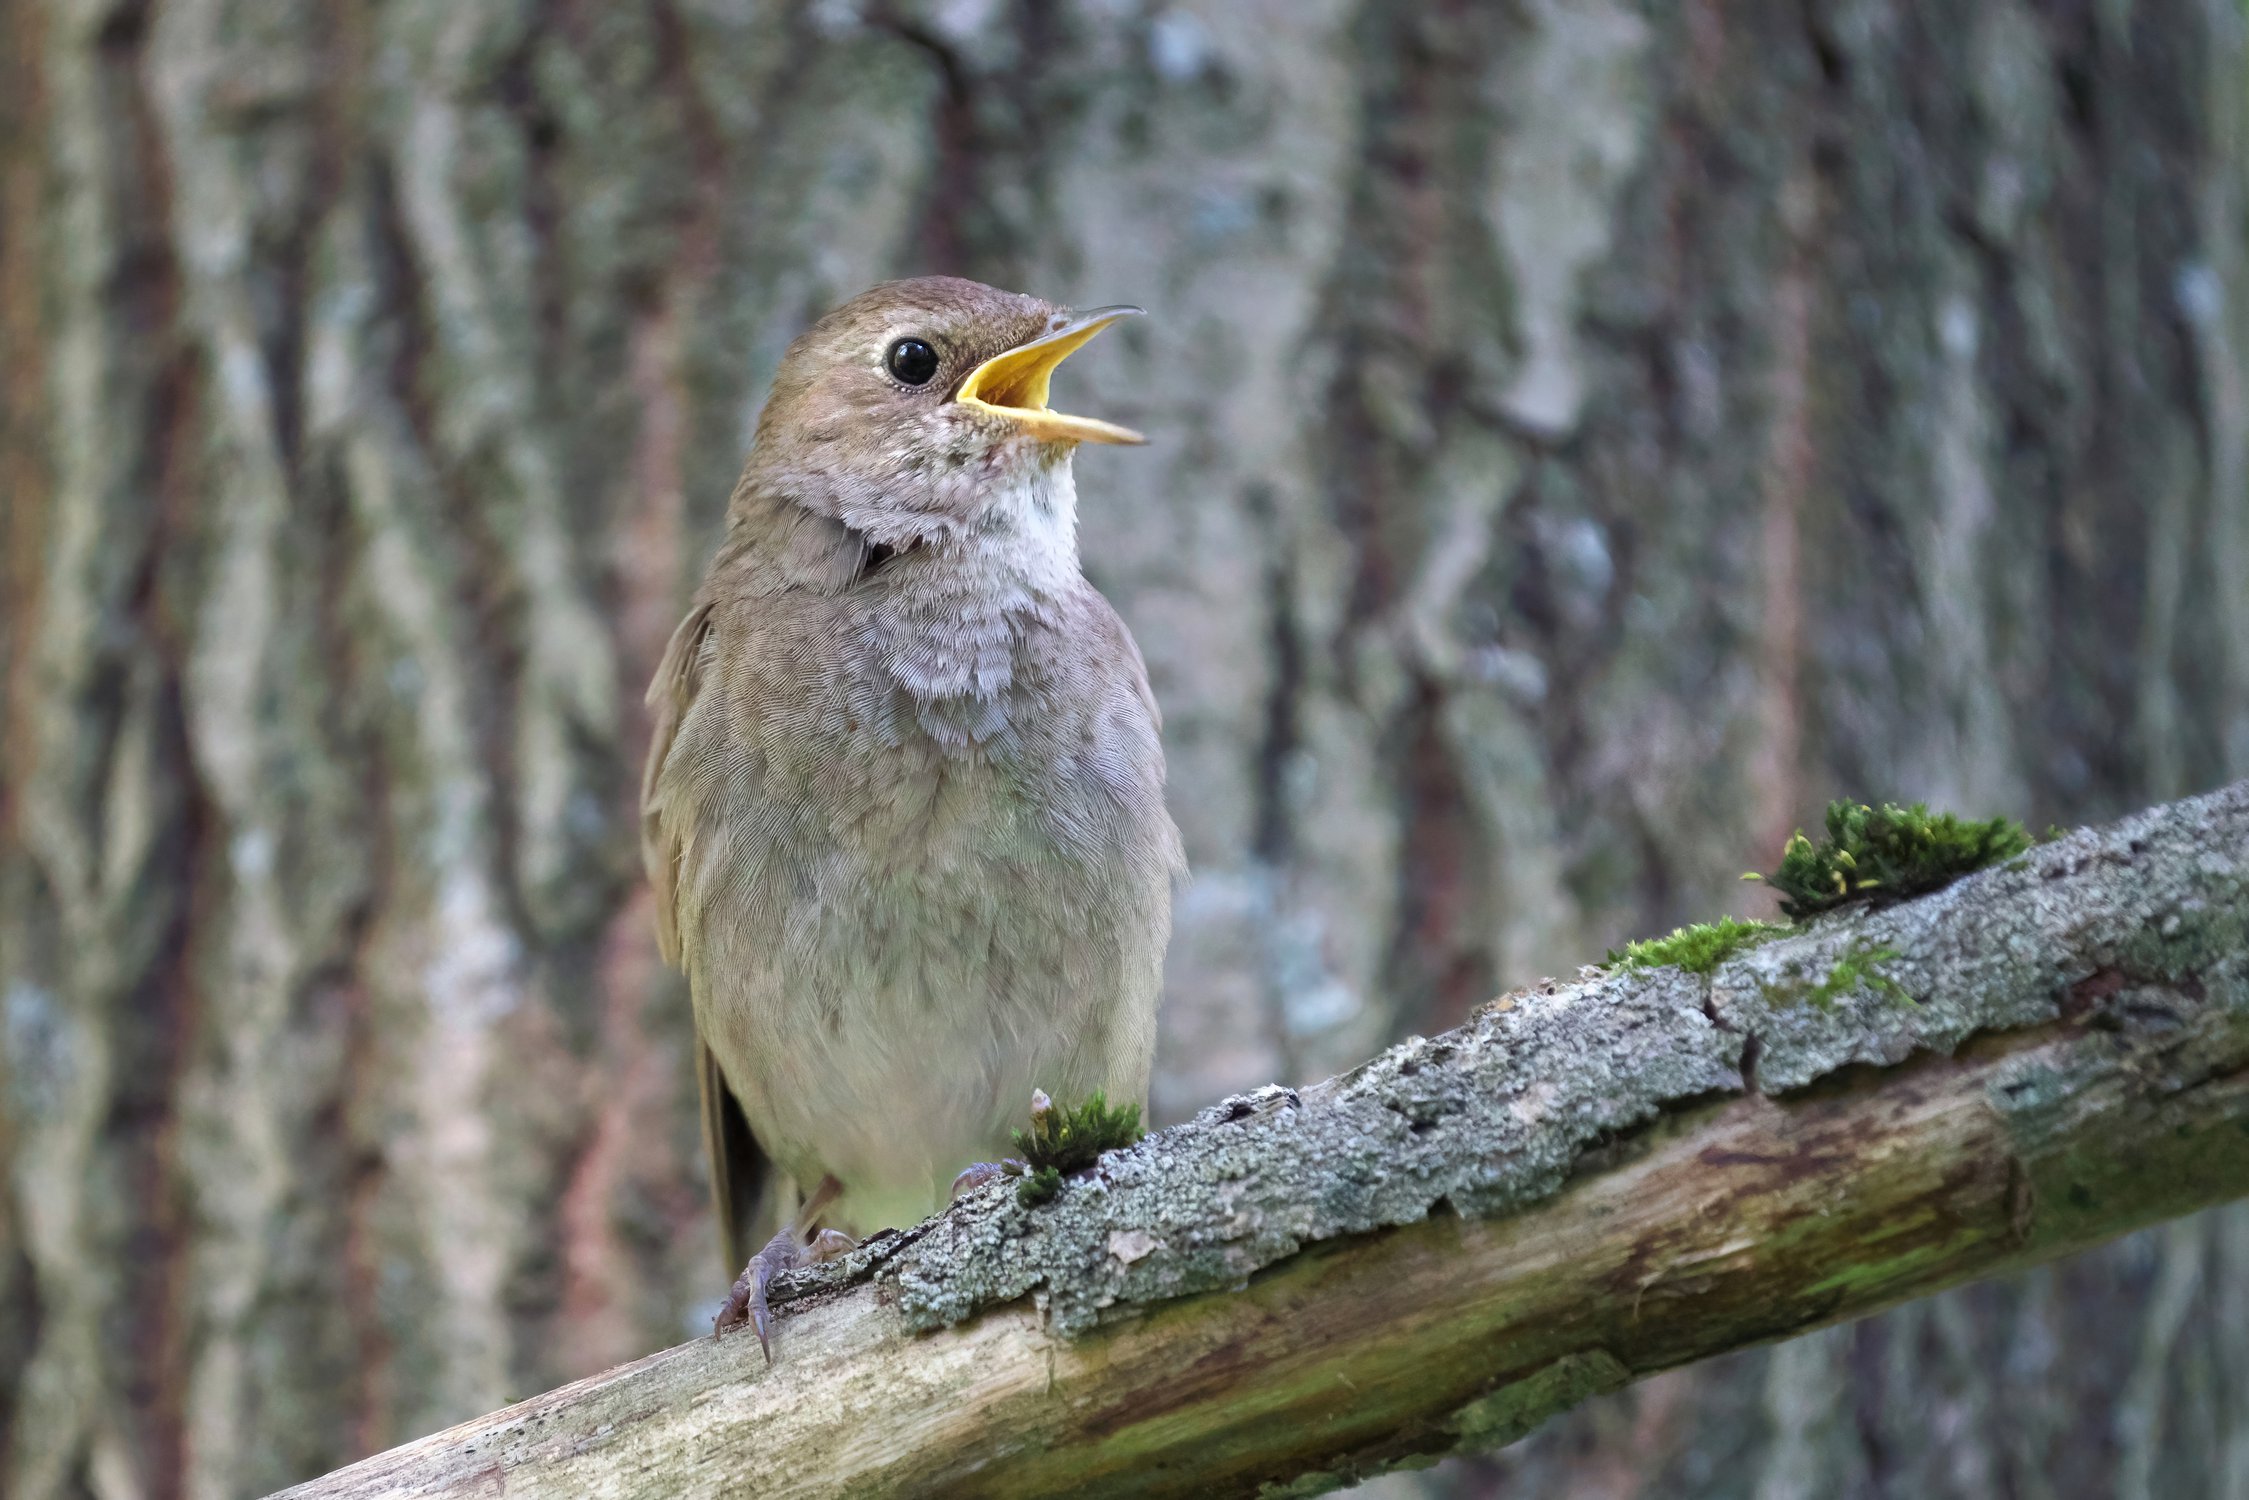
{"type": "Point", "coordinates": [739, 1169]}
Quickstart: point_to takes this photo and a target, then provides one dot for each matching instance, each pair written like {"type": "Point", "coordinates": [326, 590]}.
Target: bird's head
{"type": "Point", "coordinates": [918, 410]}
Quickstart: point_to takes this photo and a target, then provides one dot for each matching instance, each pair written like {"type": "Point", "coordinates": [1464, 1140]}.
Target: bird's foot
{"type": "Point", "coordinates": [745, 1300]}
{"type": "Point", "coordinates": [827, 1245]}
{"type": "Point", "coordinates": [976, 1174]}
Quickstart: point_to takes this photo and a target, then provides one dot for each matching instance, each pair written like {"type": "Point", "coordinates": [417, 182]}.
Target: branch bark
{"type": "Point", "coordinates": [1584, 1185]}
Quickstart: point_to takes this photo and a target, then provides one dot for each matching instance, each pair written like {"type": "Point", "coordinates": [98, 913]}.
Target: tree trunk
{"type": "Point", "coordinates": [1587, 436]}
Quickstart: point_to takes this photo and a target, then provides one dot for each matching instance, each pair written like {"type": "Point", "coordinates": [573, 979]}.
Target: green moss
{"type": "Point", "coordinates": [1857, 970]}
{"type": "Point", "coordinates": [1860, 969]}
{"type": "Point", "coordinates": [1698, 949]}
{"type": "Point", "coordinates": [1887, 854]}
{"type": "Point", "coordinates": [1039, 1187]}
{"type": "Point", "coordinates": [1062, 1140]}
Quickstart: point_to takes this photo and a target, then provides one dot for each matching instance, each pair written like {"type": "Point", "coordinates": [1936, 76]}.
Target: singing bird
{"type": "Point", "coordinates": [904, 807]}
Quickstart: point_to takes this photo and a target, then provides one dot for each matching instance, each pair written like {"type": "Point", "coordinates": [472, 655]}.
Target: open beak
{"type": "Point", "coordinates": [1014, 384]}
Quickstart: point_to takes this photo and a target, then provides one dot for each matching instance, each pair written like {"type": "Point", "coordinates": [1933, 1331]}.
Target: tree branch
{"type": "Point", "coordinates": [1585, 1184]}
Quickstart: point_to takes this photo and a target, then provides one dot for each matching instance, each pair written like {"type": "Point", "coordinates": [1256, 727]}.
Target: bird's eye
{"type": "Point", "coordinates": [912, 361]}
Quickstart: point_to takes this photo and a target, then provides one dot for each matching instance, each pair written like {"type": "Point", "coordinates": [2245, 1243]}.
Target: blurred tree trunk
{"type": "Point", "coordinates": [1587, 436]}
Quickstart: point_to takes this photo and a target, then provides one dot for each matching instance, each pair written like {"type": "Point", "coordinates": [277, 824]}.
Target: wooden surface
{"type": "Point", "coordinates": [2057, 1052]}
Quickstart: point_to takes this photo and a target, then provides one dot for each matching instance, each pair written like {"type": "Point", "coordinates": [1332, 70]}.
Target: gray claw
{"type": "Point", "coordinates": [745, 1301]}
{"type": "Point", "coordinates": [827, 1245]}
{"type": "Point", "coordinates": [976, 1174]}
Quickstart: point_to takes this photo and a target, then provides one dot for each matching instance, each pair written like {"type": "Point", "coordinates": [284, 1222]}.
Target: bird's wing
{"type": "Point", "coordinates": [663, 832]}
{"type": "Point", "coordinates": [740, 1170]}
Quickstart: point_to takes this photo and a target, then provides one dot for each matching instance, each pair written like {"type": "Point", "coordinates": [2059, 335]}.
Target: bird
{"type": "Point", "coordinates": [903, 809]}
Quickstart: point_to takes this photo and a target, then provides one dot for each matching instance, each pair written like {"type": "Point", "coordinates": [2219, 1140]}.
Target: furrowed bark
{"type": "Point", "coordinates": [1583, 1185]}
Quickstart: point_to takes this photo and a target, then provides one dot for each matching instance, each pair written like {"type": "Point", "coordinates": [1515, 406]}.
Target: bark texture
{"type": "Point", "coordinates": [1588, 435]}
{"type": "Point", "coordinates": [1467, 1234]}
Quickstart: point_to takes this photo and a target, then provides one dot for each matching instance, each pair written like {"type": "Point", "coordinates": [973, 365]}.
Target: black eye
{"type": "Point", "coordinates": [912, 361]}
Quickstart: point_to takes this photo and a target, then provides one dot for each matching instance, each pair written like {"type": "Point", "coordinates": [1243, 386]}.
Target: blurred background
{"type": "Point", "coordinates": [1587, 436]}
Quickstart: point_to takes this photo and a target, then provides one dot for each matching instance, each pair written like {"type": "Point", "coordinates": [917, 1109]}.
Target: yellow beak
{"type": "Point", "coordinates": [1014, 384]}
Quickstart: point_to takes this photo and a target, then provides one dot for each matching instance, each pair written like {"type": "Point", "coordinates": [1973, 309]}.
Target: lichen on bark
{"type": "Point", "coordinates": [1494, 1116]}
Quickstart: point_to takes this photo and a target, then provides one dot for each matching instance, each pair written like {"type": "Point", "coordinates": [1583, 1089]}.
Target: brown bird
{"type": "Point", "coordinates": [904, 807]}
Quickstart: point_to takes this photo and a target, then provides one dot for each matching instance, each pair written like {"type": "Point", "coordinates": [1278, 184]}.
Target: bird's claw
{"type": "Point", "coordinates": [827, 1245]}
{"type": "Point", "coordinates": [976, 1174]}
{"type": "Point", "coordinates": [745, 1300]}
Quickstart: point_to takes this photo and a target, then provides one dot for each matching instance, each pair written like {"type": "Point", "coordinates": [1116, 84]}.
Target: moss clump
{"type": "Point", "coordinates": [1062, 1140]}
{"type": "Point", "coordinates": [1040, 1186]}
{"type": "Point", "coordinates": [1887, 853]}
{"type": "Point", "coordinates": [1698, 949]}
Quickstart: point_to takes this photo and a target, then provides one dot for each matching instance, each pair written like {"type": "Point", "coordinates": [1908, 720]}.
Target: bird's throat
{"type": "Point", "coordinates": [955, 613]}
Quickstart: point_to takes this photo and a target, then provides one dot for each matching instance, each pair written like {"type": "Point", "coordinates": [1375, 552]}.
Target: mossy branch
{"type": "Point", "coordinates": [1869, 855]}
{"type": "Point", "coordinates": [1583, 1185]}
